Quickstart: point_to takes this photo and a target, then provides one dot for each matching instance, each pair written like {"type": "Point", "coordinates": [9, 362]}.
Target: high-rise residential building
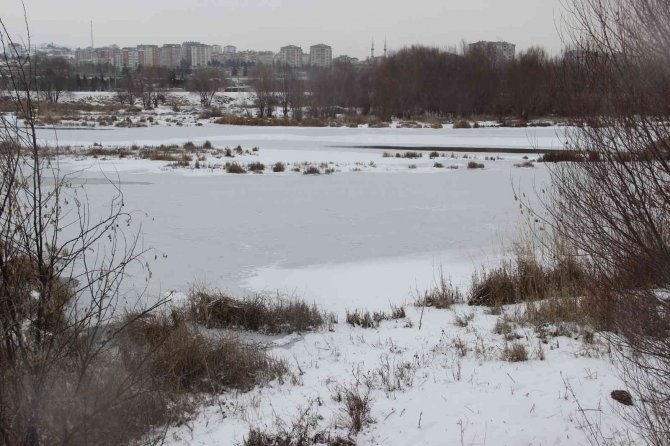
{"type": "Point", "coordinates": [320, 55]}
{"type": "Point", "coordinates": [128, 57]}
{"type": "Point", "coordinates": [148, 55]}
{"type": "Point", "coordinates": [217, 49]}
{"type": "Point", "coordinates": [201, 56]}
{"type": "Point", "coordinates": [291, 55]}
{"type": "Point", "coordinates": [229, 49]}
{"type": "Point", "coordinates": [170, 55]}
{"type": "Point", "coordinates": [84, 55]}
{"type": "Point", "coordinates": [196, 54]}
{"type": "Point", "coordinates": [499, 52]}
{"type": "Point", "coordinates": [106, 55]}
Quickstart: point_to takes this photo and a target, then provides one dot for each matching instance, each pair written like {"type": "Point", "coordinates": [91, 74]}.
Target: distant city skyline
{"type": "Point", "coordinates": [347, 25]}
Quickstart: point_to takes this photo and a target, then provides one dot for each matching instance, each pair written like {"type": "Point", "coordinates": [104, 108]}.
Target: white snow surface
{"type": "Point", "coordinates": [442, 398]}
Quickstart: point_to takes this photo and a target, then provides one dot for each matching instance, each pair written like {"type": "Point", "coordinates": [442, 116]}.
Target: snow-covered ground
{"type": "Point", "coordinates": [372, 234]}
{"type": "Point", "coordinates": [441, 384]}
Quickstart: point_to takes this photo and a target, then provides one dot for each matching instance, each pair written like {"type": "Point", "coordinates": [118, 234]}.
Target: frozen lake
{"type": "Point", "coordinates": [312, 138]}
{"type": "Point", "coordinates": [351, 239]}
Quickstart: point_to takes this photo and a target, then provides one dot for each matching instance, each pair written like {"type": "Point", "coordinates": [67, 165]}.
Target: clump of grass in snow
{"type": "Point", "coordinates": [258, 313]}
{"type": "Point", "coordinates": [409, 155]}
{"type": "Point", "coordinates": [187, 361]}
{"type": "Point", "coordinates": [256, 167]}
{"type": "Point", "coordinates": [442, 296]}
{"type": "Point", "coordinates": [463, 320]}
{"type": "Point", "coordinates": [475, 165]}
{"type": "Point", "coordinates": [515, 352]}
{"type": "Point", "coordinates": [357, 405]}
{"type": "Point", "coordinates": [312, 170]}
{"type": "Point", "coordinates": [525, 279]}
{"type": "Point", "coordinates": [278, 167]}
{"type": "Point", "coordinates": [235, 168]}
{"type": "Point", "coordinates": [365, 319]}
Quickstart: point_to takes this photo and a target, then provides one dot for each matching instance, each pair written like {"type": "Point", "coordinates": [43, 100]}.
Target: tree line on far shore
{"type": "Point", "coordinates": [415, 82]}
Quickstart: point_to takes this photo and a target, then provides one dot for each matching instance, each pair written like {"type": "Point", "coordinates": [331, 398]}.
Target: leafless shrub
{"type": "Point", "coordinates": [356, 402]}
{"type": "Point", "coordinates": [614, 206]}
{"type": "Point", "coordinates": [61, 379]}
{"type": "Point", "coordinates": [475, 165]}
{"type": "Point", "coordinates": [395, 376]}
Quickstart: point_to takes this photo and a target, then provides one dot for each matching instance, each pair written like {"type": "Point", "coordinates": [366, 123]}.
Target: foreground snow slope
{"type": "Point", "coordinates": [446, 385]}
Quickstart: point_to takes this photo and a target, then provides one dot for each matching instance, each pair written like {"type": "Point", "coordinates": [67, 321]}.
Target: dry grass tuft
{"type": "Point", "coordinates": [515, 352]}
{"type": "Point", "coordinates": [257, 313]}
{"type": "Point", "coordinates": [442, 296]}
{"type": "Point", "coordinates": [525, 279]}
{"type": "Point", "coordinates": [185, 360]}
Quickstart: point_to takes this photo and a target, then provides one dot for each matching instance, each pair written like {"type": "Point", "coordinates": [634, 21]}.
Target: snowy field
{"type": "Point", "coordinates": [373, 233]}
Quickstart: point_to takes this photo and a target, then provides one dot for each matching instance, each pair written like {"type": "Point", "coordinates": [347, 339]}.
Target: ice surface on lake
{"type": "Point", "coordinates": [340, 240]}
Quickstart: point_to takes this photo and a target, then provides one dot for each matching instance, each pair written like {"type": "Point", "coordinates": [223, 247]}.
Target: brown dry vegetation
{"type": "Point", "coordinates": [525, 278]}
{"type": "Point", "coordinates": [214, 309]}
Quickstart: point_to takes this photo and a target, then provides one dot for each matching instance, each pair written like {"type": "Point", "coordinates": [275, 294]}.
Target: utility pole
{"type": "Point", "coordinates": [92, 46]}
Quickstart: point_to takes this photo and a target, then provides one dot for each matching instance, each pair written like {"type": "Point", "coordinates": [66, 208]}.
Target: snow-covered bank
{"type": "Point", "coordinates": [442, 384]}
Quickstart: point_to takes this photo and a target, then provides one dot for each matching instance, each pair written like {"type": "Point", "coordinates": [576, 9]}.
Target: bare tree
{"type": "Point", "coordinates": [291, 91]}
{"type": "Point", "coordinates": [206, 82]}
{"type": "Point", "coordinates": [614, 206]}
{"type": "Point", "coordinates": [129, 88]}
{"type": "Point", "coordinates": [61, 273]}
{"type": "Point", "coordinates": [264, 85]}
{"type": "Point", "coordinates": [52, 77]}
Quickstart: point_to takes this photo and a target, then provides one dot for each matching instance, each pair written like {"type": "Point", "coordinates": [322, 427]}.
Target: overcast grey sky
{"type": "Point", "coordinates": [347, 25]}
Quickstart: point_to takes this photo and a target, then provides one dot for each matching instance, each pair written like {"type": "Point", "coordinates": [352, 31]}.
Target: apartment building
{"type": "Point", "coordinates": [170, 55]}
{"type": "Point", "coordinates": [148, 55]}
{"type": "Point", "coordinates": [320, 55]}
{"type": "Point", "coordinates": [291, 55]}
{"type": "Point", "coordinates": [201, 56]}
{"type": "Point", "coordinates": [499, 52]}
